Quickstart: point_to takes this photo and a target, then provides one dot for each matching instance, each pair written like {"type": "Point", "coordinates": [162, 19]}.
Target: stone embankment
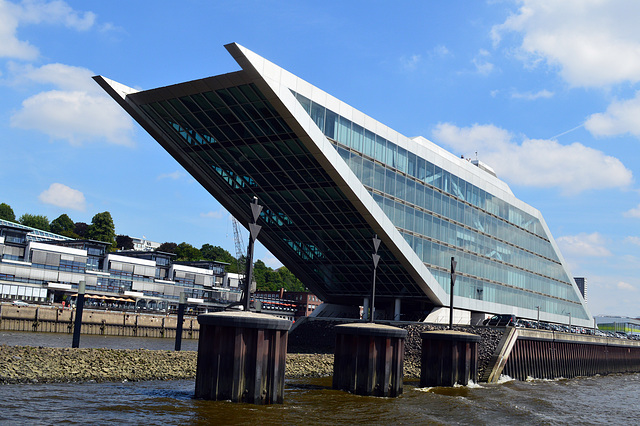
{"type": "Point", "coordinates": [25, 364]}
{"type": "Point", "coordinates": [318, 336]}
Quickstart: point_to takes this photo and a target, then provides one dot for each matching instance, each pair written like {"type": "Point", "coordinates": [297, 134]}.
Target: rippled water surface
{"type": "Point", "coordinates": [585, 401]}
{"type": "Point", "coordinates": [598, 400]}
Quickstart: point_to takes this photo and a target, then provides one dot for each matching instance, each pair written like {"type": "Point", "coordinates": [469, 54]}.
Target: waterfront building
{"type": "Point", "coordinates": [330, 178]}
{"type": "Point", "coordinates": [142, 244]}
{"type": "Point", "coordinates": [625, 325]}
{"type": "Point", "coordinates": [292, 304]}
{"type": "Point", "coordinates": [40, 266]}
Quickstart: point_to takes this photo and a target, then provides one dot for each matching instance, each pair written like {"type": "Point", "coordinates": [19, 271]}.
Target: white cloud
{"type": "Point", "coordinates": [76, 116]}
{"type": "Point", "coordinates": [10, 46]}
{"type": "Point", "coordinates": [77, 111]}
{"type": "Point", "coordinates": [583, 245]}
{"type": "Point", "coordinates": [218, 214]}
{"type": "Point", "coordinates": [536, 162]}
{"type": "Point", "coordinates": [173, 175]}
{"type": "Point", "coordinates": [633, 240]}
{"type": "Point", "coordinates": [271, 261]}
{"type": "Point", "coordinates": [635, 212]}
{"type": "Point", "coordinates": [483, 66]}
{"type": "Point", "coordinates": [594, 43]}
{"type": "Point", "coordinates": [410, 63]}
{"type": "Point", "coordinates": [620, 117]}
{"type": "Point", "coordinates": [441, 50]}
{"type": "Point", "coordinates": [55, 12]}
{"type": "Point", "coordinates": [625, 286]}
{"type": "Point", "coordinates": [62, 196]}
{"type": "Point", "coordinates": [61, 76]}
{"type": "Point", "coordinates": [528, 96]}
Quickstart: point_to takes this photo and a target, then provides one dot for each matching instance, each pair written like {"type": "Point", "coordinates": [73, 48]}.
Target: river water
{"type": "Point", "coordinates": [587, 401]}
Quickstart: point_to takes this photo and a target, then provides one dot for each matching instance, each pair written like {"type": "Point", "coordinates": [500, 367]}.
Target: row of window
{"type": "Point", "coordinates": [475, 289]}
{"type": "Point", "coordinates": [438, 229]}
{"type": "Point", "coordinates": [438, 256]}
{"type": "Point", "coordinates": [366, 142]}
{"type": "Point", "coordinates": [425, 197]}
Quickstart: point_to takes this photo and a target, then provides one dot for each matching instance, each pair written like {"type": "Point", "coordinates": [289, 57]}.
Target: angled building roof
{"type": "Point", "coordinates": [330, 178]}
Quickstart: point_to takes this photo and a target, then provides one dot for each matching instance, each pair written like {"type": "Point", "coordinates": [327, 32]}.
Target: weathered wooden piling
{"type": "Point", "coordinates": [368, 359]}
{"type": "Point", "coordinates": [241, 357]}
{"type": "Point", "coordinates": [448, 357]}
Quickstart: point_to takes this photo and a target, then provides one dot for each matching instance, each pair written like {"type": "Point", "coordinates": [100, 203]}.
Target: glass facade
{"type": "Point", "coordinates": [503, 253]}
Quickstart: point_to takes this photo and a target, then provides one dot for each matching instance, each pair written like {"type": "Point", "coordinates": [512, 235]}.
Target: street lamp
{"type": "Point", "coordinates": [254, 229]}
{"type": "Point", "coordinates": [376, 258]}
{"type": "Point", "coordinates": [538, 308]}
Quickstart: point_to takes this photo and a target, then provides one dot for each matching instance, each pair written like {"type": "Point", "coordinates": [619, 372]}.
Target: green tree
{"type": "Point", "coordinates": [289, 281]}
{"type": "Point", "coordinates": [62, 224]}
{"type": "Point", "coordinates": [269, 280]}
{"type": "Point", "coordinates": [124, 242]}
{"type": "Point", "coordinates": [6, 212]}
{"type": "Point", "coordinates": [186, 251]}
{"type": "Point", "coordinates": [168, 248]}
{"type": "Point", "coordinates": [102, 228]}
{"type": "Point", "coordinates": [219, 254]}
{"type": "Point", "coordinates": [80, 229]}
{"type": "Point", "coordinates": [35, 221]}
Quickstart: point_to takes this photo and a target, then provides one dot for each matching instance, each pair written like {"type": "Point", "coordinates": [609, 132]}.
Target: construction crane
{"type": "Point", "coordinates": [239, 247]}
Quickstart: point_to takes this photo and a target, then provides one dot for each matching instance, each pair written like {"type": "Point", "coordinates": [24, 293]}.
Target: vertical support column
{"type": "Point", "coordinates": [368, 359]}
{"type": "Point", "coordinates": [365, 309]}
{"type": "Point", "coordinates": [182, 304]}
{"type": "Point", "coordinates": [396, 310]}
{"type": "Point", "coordinates": [448, 357]}
{"type": "Point", "coordinates": [241, 357]}
{"type": "Point", "coordinates": [78, 322]}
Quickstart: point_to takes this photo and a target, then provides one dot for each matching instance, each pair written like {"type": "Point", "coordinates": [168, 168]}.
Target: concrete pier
{"type": "Point", "coordinates": [368, 359]}
{"type": "Point", "coordinates": [448, 358]}
{"type": "Point", "coordinates": [241, 357]}
{"type": "Point", "coordinates": [55, 319]}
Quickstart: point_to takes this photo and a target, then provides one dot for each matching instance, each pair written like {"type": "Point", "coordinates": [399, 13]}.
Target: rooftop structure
{"type": "Point", "coordinates": [330, 178]}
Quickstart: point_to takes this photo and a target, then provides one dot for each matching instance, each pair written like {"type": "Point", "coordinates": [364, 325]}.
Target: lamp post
{"type": "Point", "coordinates": [75, 343]}
{"type": "Point", "coordinates": [254, 229]}
{"type": "Point", "coordinates": [453, 281]}
{"type": "Point", "coordinates": [538, 308]}
{"type": "Point", "coordinates": [376, 258]}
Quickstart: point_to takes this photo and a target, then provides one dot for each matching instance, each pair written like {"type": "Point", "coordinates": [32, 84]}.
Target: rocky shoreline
{"type": "Point", "coordinates": [26, 364]}
{"type": "Point", "coordinates": [310, 355]}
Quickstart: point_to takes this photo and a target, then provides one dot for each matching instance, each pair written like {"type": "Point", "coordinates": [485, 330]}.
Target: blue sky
{"type": "Point", "coordinates": [546, 92]}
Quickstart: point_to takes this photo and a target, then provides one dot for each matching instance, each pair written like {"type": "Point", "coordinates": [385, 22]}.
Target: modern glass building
{"type": "Point", "coordinates": [330, 178]}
